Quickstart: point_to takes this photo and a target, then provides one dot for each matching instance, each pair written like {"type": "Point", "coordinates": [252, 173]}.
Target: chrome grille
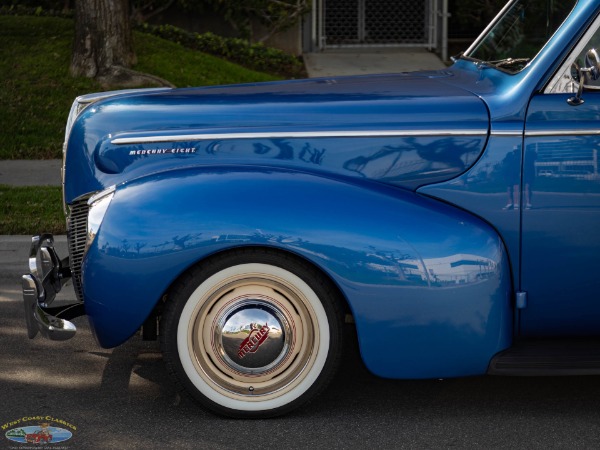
{"type": "Point", "coordinates": [77, 232]}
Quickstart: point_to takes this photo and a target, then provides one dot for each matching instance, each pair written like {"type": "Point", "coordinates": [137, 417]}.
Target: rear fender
{"type": "Point", "coordinates": [428, 284]}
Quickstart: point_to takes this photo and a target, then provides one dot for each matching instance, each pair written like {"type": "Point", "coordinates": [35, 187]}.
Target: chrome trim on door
{"type": "Point", "coordinates": [562, 133]}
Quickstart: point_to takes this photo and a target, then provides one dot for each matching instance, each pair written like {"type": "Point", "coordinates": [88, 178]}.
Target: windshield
{"type": "Point", "coordinates": [520, 33]}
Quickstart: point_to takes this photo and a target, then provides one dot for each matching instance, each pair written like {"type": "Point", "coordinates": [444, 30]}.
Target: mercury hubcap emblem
{"type": "Point", "coordinates": [252, 335]}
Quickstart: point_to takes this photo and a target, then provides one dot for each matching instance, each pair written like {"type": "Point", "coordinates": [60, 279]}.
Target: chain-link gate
{"type": "Point", "coordinates": [364, 23]}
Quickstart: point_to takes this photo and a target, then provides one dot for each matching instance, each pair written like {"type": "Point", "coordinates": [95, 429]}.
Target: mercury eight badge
{"type": "Point", "coordinates": [452, 216]}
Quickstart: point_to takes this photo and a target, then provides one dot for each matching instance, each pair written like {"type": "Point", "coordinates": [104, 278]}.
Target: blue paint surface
{"type": "Point", "coordinates": [400, 259]}
{"type": "Point", "coordinates": [427, 233]}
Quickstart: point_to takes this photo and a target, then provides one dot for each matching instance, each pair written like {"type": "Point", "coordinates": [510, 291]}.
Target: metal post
{"type": "Point", "coordinates": [321, 34]}
{"type": "Point", "coordinates": [313, 30]}
{"type": "Point", "coordinates": [431, 25]}
{"type": "Point", "coordinates": [361, 21]}
{"type": "Point", "coordinates": [444, 30]}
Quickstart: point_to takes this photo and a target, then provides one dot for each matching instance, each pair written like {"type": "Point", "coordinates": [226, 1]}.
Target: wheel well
{"type": "Point", "coordinates": [151, 325]}
{"type": "Point", "coordinates": [334, 288]}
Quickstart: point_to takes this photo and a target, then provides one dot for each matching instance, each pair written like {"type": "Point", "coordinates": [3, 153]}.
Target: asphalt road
{"type": "Point", "coordinates": [123, 398]}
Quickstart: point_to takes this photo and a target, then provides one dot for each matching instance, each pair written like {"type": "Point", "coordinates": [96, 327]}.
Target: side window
{"type": "Point", "coordinates": [592, 43]}
{"type": "Point", "coordinates": [563, 82]}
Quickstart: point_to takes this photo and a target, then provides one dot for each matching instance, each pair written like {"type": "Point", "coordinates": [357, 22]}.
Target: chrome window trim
{"type": "Point", "coordinates": [562, 82]}
{"type": "Point", "coordinates": [295, 134]}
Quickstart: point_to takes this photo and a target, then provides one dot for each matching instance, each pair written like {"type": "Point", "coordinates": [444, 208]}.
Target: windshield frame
{"type": "Point", "coordinates": [487, 30]}
{"type": "Point", "coordinates": [481, 64]}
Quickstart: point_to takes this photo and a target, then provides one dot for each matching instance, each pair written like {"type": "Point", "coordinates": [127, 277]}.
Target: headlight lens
{"type": "Point", "coordinates": [98, 205]}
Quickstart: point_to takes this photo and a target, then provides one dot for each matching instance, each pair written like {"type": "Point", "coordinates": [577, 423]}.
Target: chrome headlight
{"type": "Point", "coordinates": [98, 204]}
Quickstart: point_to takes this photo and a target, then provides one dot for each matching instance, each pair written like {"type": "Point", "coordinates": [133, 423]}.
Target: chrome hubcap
{"type": "Point", "coordinates": [253, 335]}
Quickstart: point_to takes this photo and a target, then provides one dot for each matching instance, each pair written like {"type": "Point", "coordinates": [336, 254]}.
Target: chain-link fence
{"type": "Point", "coordinates": [360, 23]}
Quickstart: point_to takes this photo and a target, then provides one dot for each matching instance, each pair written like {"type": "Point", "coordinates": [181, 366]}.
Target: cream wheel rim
{"type": "Point", "coordinates": [253, 336]}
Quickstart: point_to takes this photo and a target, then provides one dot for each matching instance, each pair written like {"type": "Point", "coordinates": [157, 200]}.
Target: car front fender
{"type": "Point", "coordinates": [428, 284]}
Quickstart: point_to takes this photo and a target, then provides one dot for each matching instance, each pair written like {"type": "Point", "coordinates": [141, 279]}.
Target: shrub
{"type": "Point", "coordinates": [253, 56]}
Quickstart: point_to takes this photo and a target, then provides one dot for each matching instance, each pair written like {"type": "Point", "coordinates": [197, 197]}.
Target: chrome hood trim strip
{"type": "Point", "coordinates": [296, 134]}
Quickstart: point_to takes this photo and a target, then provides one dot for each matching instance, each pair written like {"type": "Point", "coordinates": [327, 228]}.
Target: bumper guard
{"type": "Point", "coordinates": [47, 276]}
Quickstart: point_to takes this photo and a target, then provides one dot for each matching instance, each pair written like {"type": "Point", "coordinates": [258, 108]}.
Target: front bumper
{"type": "Point", "coordinates": [47, 276]}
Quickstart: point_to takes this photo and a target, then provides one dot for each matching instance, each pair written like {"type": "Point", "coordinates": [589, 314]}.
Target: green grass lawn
{"type": "Point", "coordinates": [36, 90]}
{"type": "Point", "coordinates": [31, 210]}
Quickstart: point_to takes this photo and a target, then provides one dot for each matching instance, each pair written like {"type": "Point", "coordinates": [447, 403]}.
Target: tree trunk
{"type": "Point", "coordinates": [103, 39]}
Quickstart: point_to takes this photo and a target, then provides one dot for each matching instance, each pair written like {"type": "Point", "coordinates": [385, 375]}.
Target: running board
{"type": "Point", "coordinates": [553, 357]}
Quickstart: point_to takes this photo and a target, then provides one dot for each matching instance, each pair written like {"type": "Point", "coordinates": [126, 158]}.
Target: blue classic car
{"type": "Point", "coordinates": [452, 216]}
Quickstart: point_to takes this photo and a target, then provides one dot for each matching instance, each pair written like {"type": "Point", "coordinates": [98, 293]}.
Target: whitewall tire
{"type": "Point", "coordinates": [252, 333]}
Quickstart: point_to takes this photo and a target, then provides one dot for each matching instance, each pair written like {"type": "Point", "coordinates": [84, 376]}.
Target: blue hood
{"type": "Point", "coordinates": [406, 129]}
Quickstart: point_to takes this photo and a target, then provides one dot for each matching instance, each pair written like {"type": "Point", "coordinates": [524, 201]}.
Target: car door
{"type": "Point", "coordinates": [560, 207]}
